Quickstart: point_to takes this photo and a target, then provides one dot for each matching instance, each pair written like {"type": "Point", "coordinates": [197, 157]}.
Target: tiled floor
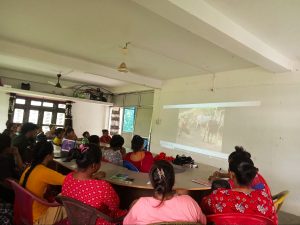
{"type": "Point", "coordinates": [288, 219]}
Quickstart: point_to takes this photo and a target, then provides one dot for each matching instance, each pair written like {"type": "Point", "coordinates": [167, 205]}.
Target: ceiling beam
{"type": "Point", "coordinates": [202, 19]}
{"type": "Point", "coordinates": [16, 52]}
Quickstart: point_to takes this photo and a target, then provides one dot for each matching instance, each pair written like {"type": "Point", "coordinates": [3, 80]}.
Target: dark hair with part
{"type": "Point", "coordinates": [244, 170]}
{"type": "Point", "coordinates": [137, 143]}
{"type": "Point", "coordinates": [220, 184]}
{"type": "Point", "coordinates": [94, 139]}
{"type": "Point", "coordinates": [69, 130]}
{"type": "Point", "coordinates": [104, 131]}
{"type": "Point", "coordinates": [92, 155]}
{"type": "Point", "coordinates": [162, 178]}
{"type": "Point", "coordinates": [27, 127]}
{"type": "Point", "coordinates": [40, 151]}
{"type": "Point", "coordinates": [58, 131]}
{"type": "Point", "coordinates": [85, 133]}
{"type": "Point", "coordinates": [5, 142]}
{"type": "Point", "coordinates": [239, 153]}
{"type": "Point", "coordinates": [117, 141]}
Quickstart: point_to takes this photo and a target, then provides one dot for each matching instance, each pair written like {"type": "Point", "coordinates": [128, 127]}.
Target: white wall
{"type": "Point", "coordinates": [4, 101]}
{"type": "Point", "coordinates": [89, 117]}
{"type": "Point", "coordinates": [273, 139]}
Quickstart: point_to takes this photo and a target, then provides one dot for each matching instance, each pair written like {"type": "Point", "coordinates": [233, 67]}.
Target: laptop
{"type": "Point", "coordinates": [67, 145]}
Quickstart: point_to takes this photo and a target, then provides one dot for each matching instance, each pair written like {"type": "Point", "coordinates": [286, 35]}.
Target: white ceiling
{"type": "Point", "coordinates": [95, 32]}
{"type": "Point", "coordinates": [161, 47]}
{"type": "Point", "coordinates": [276, 22]}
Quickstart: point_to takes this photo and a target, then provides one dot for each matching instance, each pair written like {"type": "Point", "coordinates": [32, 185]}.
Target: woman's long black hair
{"type": "Point", "coordinates": [162, 178]}
{"type": "Point", "coordinates": [40, 151]}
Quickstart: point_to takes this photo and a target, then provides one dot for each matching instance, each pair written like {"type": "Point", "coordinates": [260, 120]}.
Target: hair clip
{"type": "Point", "coordinates": [83, 148]}
{"type": "Point", "coordinates": [160, 173]}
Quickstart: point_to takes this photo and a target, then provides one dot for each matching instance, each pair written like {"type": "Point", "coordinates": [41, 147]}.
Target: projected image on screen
{"type": "Point", "coordinates": [201, 127]}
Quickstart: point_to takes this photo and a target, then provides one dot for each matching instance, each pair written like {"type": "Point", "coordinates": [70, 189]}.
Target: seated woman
{"type": "Point", "coordinates": [94, 139]}
{"type": "Point", "coordinates": [82, 186]}
{"type": "Point", "coordinates": [240, 153]}
{"type": "Point", "coordinates": [242, 198]}
{"type": "Point", "coordinates": [10, 166]}
{"type": "Point", "coordinates": [37, 178]}
{"type": "Point", "coordinates": [165, 205]}
{"type": "Point", "coordinates": [113, 154]}
{"type": "Point", "coordinates": [70, 134]}
{"type": "Point", "coordinates": [140, 158]}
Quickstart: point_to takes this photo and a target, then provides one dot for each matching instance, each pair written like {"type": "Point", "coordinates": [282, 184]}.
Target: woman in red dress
{"type": "Point", "coordinates": [82, 185]}
{"type": "Point", "coordinates": [242, 198]}
{"type": "Point", "coordinates": [258, 183]}
{"type": "Point", "coordinates": [140, 158]}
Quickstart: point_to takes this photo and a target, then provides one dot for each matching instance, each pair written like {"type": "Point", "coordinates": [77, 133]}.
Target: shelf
{"type": "Point", "coordinates": [50, 96]}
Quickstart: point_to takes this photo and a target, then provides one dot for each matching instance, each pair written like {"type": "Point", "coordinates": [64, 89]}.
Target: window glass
{"type": "Point", "coordinates": [36, 103]}
{"type": "Point", "coordinates": [62, 106]}
{"type": "Point", "coordinates": [60, 119]}
{"type": "Point", "coordinates": [33, 116]}
{"type": "Point", "coordinates": [45, 129]}
{"type": "Point", "coordinates": [128, 119]}
{"type": "Point", "coordinates": [20, 101]}
{"type": "Point", "coordinates": [18, 116]}
{"type": "Point", "coordinates": [47, 117]}
{"type": "Point", "coordinates": [47, 104]}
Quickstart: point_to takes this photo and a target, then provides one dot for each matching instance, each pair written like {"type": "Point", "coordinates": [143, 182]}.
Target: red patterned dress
{"type": "Point", "coordinates": [232, 201]}
{"type": "Point", "coordinates": [96, 193]}
{"type": "Point", "coordinates": [258, 183]}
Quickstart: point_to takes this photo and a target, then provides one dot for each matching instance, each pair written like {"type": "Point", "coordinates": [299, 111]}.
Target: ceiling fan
{"type": "Point", "coordinates": [123, 67]}
{"type": "Point", "coordinates": [58, 85]}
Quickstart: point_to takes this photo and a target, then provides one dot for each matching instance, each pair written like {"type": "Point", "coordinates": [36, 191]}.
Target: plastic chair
{"type": "Point", "coordinates": [238, 219]}
{"type": "Point", "coordinates": [279, 198]}
{"type": "Point", "coordinates": [80, 213]}
{"type": "Point", "coordinates": [23, 204]}
{"type": "Point", "coordinates": [130, 166]}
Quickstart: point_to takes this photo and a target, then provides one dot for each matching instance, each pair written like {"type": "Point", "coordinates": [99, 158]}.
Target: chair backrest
{"type": "Point", "coordinates": [238, 219]}
{"type": "Point", "coordinates": [23, 204]}
{"type": "Point", "coordinates": [279, 198]}
{"type": "Point", "coordinates": [80, 213]}
{"type": "Point", "coordinates": [130, 166]}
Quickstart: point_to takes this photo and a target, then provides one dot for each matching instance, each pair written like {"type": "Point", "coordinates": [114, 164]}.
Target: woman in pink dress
{"type": "Point", "coordinates": [165, 205]}
{"type": "Point", "coordinates": [242, 198]}
{"type": "Point", "coordinates": [82, 185]}
{"type": "Point", "coordinates": [140, 158]}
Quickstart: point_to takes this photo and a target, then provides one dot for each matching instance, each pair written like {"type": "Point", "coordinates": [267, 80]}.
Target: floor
{"type": "Point", "coordinates": [288, 219]}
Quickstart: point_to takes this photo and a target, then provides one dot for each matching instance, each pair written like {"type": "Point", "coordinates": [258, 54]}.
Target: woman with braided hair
{"type": "Point", "coordinates": [36, 179]}
{"type": "Point", "coordinates": [165, 205]}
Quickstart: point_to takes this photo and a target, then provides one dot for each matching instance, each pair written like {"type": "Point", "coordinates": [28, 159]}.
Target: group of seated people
{"type": "Point", "coordinates": [244, 192]}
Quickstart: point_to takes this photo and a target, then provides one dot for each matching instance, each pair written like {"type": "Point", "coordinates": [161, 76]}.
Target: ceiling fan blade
{"type": "Point", "coordinates": [52, 83]}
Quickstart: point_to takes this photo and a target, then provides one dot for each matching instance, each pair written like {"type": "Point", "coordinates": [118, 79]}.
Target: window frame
{"type": "Point", "coordinates": [41, 109]}
{"type": "Point", "coordinates": [123, 119]}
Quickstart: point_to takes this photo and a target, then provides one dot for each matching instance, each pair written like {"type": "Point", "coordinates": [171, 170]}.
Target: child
{"type": "Point", "coordinates": [105, 138]}
{"type": "Point", "coordinates": [59, 134]}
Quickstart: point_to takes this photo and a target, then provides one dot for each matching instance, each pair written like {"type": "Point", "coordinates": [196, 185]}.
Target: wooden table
{"type": "Point", "coordinates": [141, 185]}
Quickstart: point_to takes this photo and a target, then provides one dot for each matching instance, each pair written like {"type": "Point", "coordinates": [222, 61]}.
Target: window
{"type": "Point", "coordinates": [128, 119]}
{"type": "Point", "coordinates": [36, 103]}
{"type": "Point", "coordinates": [39, 111]}
{"type": "Point", "coordinates": [18, 115]}
{"type": "Point", "coordinates": [20, 101]}
{"type": "Point", "coordinates": [33, 116]}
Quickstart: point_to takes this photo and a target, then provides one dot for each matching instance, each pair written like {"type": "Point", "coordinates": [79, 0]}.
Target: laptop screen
{"type": "Point", "coordinates": [67, 145]}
